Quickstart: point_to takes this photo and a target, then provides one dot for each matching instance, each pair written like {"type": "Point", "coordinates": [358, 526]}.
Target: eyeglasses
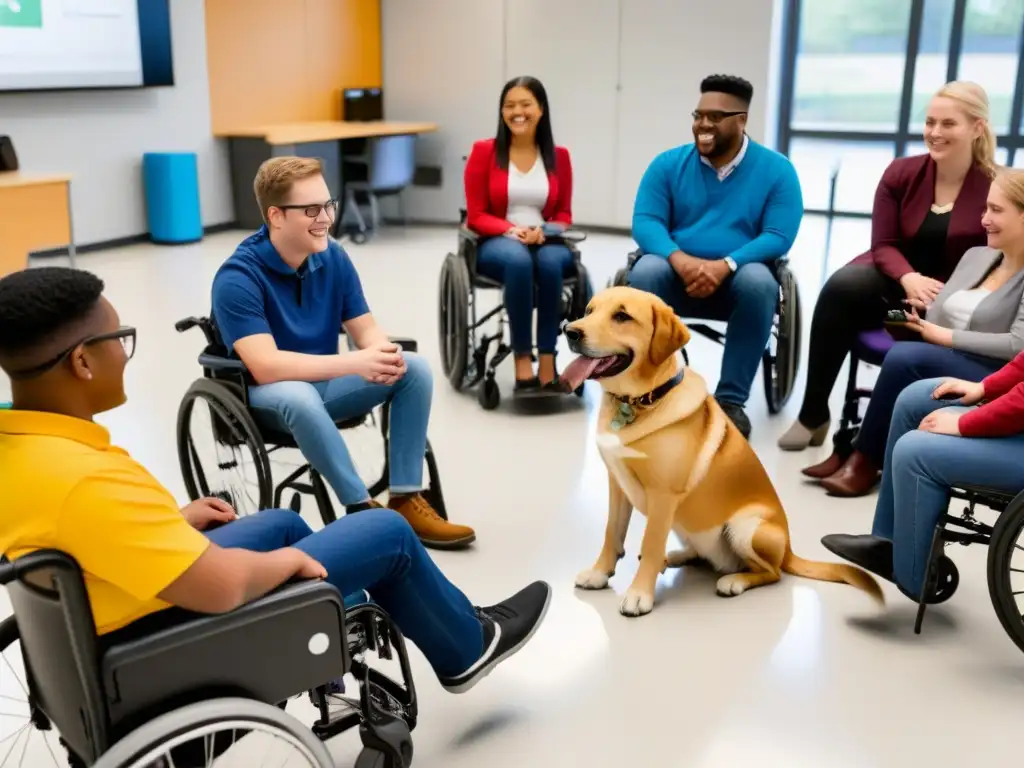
{"type": "Point", "coordinates": [714, 116]}
{"type": "Point", "coordinates": [313, 210]}
{"type": "Point", "coordinates": [124, 334]}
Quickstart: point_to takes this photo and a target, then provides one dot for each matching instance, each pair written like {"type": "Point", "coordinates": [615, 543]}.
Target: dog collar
{"type": "Point", "coordinates": [650, 398]}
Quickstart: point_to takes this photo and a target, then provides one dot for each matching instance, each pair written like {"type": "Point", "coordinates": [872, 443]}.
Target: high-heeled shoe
{"type": "Point", "coordinates": [798, 437]}
{"type": "Point", "coordinates": [856, 477]}
{"type": "Point", "coordinates": [825, 468]}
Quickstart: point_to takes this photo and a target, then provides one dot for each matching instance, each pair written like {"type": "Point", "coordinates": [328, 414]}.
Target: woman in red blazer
{"type": "Point", "coordinates": [518, 192]}
{"type": "Point", "coordinates": [927, 214]}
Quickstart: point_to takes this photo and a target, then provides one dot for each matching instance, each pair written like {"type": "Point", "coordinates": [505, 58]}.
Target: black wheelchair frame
{"type": "Point", "coordinates": [780, 362]}
{"type": "Point", "coordinates": [96, 690]}
{"type": "Point", "coordinates": [225, 387]}
{"type": "Point", "coordinates": [463, 360]}
{"type": "Point", "coordinates": [1001, 538]}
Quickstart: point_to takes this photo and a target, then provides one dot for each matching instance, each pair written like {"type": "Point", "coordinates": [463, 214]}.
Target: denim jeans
{"type": "Point", "coordinates": [521, 269]}
{"type": "Point", "coordinates": [376, 551]}
{"type": "Point", "coordinates": [907, 362]}
{"type": "Point", "coordinates": [921, 467]}
{"type": "Point", "coordinates": [309, 410]}
{"type": "Point", "coordinates": [746, 300]}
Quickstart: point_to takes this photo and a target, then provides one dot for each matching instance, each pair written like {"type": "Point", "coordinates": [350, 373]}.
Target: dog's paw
{"type": "Point", "coordinates": [591, 579]}
{"type": "Point", "coordinates": [636, 603]}
{"type": "Point", "coordinates": [731, 584]}
{"type": "Point", "coordinates": [680, 557]}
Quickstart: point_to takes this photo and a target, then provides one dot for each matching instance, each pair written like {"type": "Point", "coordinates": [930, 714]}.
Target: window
{"type": "Point", "coordinates": [857, 76]}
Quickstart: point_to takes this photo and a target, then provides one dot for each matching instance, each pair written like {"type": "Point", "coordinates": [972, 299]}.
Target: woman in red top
{"type": "Point", "coordinates": [940, 438]}
{"type": "Point", "coordinates": [927, 214]}
{"type": "Point", "coordinates": [518, 193]}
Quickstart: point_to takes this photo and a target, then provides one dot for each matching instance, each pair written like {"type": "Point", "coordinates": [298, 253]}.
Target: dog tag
{"type": "Point", "coordinates": [625, 415]}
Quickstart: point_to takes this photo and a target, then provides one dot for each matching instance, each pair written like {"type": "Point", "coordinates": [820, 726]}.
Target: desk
{"type": "Point", "coordinates": [35, 214]}
{"type": "Point", "coordinates": [249, 146]}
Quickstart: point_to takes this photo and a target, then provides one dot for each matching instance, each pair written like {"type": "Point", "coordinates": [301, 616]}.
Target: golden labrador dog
{"type": "Point", "coordinates": [673, 455]}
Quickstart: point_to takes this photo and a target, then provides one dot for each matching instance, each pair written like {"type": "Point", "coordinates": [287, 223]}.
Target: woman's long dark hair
{"type": "Point", "coordinates": [545, 139]}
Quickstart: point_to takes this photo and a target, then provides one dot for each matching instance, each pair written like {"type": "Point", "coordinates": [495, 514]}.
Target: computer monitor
{"type": "Point", "coordinates": [362, 104]}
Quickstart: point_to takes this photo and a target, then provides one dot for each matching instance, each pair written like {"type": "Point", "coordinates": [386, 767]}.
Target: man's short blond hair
{"type": "Point", "coordinates": [276, 176]}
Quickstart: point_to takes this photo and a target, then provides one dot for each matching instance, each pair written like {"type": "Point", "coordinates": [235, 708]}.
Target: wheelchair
{"type": "Point", "coordinates": [870, 348]}
{"type": "Point", "coordinates": [1003, 539]}
{"type": "Point", "coordinates": [182, 690]}
{"type": "Point", "coordinates": [780, 362]}
{"type": "Point", "coordinates": [464, 355]}
{"type": "Point", "coordinates": [241, 472]}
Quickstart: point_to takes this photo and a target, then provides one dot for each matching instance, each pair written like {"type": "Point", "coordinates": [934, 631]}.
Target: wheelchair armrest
{"type": "Point", "coordinates": [219, 363]}
{"type": "Point", "coordinates": [407, 344]}
{"type": "Point", "coordinates": [287, 642]}
{"type": "Point", "coordinates": [469, 236]}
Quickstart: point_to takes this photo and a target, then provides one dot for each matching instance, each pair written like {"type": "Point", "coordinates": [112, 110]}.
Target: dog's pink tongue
{"type": "Point", "coordinates": [579, 370]}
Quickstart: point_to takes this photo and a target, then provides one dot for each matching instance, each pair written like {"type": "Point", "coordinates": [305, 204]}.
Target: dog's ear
{"type": "Point", "coordinates": [669, 334]}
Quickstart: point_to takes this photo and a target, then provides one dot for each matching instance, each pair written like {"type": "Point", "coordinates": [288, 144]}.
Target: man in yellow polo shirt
{"type": "Point", "coordinates": [66, 487]}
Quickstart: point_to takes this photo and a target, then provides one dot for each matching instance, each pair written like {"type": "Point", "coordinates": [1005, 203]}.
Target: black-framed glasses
{"type": "Point", "coordinates": [124, 334]}
{"type": "Point", "coordinates": [313, 209]}
{"type": "Point", "coordinates": [714, 116]}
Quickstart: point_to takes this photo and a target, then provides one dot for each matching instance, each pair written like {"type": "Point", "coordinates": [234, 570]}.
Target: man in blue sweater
{"type": "Point", "coordinates": [710, 218]}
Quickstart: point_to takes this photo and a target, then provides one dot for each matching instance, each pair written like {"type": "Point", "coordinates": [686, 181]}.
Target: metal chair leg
{"type": "Point", "coordinates": [929, 577]}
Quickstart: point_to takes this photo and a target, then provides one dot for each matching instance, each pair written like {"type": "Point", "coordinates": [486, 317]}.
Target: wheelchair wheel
{"type": "Point", "coordinates": [238, 471]}
{"type": "Point", "coordinates": [581, 295]}
{"type": "Point", "coordinates": [782, 364]}
{"type": "Point", "coordinates": [224, 733]}
{"type": "Point", "coordinates": [1005, 562]}
{"type": "Point", "coordinates": [453, 318]}
{"type": "Point", "coordinates": [25, 733]}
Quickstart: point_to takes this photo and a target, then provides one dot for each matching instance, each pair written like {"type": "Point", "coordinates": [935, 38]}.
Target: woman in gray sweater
{"type": "Point", "coordinates": [974, 326]}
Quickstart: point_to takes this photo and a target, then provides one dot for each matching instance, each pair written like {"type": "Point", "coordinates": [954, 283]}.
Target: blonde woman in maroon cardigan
{"type": "Point", "coordinates": [940, 438]}
{"type": "Point", "coordinates": [927, 214]}
{"type": "Point", "coordinates": [518, 194]}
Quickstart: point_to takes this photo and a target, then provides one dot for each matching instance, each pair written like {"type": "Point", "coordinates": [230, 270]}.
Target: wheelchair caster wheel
{"type": "Point", "coordinates": [371, 758]}
{"type": "Point", "coordinates": [359, 238]}
{"type": "Point", "coordinates": [946, 581]}
{"type": "Point", "coordinates": [490, 395]}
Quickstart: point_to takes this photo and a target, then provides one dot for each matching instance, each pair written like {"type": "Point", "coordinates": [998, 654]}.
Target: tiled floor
{"type": "Point", "coordinates": [802, 674]}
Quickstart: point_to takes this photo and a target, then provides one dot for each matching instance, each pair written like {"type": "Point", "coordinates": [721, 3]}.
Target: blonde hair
{"type": "Point", "coordinates": [276, 176]}
{"type": "Point", "coordinates": [1011, 183]}
{"type": "Point", "coordinates": [973, 100]}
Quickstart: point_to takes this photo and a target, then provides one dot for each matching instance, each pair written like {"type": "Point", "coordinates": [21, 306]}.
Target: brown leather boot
{"type": "Point", "coordinates": [826, 468]}
{"type": "Point", "coordinates": [431, 529]}
{"type": "Point", "coordinates": [856, 477]}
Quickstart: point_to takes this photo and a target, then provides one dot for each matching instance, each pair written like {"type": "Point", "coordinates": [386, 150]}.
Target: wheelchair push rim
{"type": "Point", "coordinates": [249, 728]}
{"type": "Point", "coordinates": [1006, 570]}
{"type": "Point", "coordinates": [782, 360]}
{"type": "Point", "coordinates": [244, 481]}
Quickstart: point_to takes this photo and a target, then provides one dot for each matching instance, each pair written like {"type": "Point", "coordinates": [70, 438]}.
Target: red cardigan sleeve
{"type": "Point", "coordinates": [1004, 413]}
{"type": "Point", "coordinates": [885, 226]}
{"type": "Point", "coordinates": [476, 178]}
{"type": "Point", "coordinates": [563, 206]}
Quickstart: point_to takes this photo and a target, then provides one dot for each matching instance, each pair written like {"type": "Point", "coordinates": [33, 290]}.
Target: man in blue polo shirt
{"type": "Point", "coordinates": [280, 302]}
{"type": "Point", "coordinates": [710, 217]}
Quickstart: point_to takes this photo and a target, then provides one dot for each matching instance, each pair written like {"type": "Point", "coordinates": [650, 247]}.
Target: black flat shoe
{"type": "Point", "coordinates": [527, 387]}
{"type": "Point", "coordinates": [872, 553]}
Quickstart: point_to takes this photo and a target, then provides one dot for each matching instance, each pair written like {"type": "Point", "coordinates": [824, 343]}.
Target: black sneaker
{"type": "Point", "coordinates": [508, 626]}
{"type": "Point", "coordinates": [737, 416]}
{"type": "Point", "coordinates": [872, 553]}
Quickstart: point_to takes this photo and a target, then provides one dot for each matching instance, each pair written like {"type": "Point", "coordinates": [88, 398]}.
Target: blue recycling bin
{"type": "Point", "coordinates": [171, 180]}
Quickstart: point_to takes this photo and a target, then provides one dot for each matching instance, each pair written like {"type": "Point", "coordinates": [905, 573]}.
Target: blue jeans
{"type": "Point", "coordinates": [522, 269]}
{"type": "Point", "coordinates": [309, 411]}
{"type": "Point", "coordinates": [746, 301]}
{"type": "Point", "coordinates": [921, 467]}
{"type": "Point", "coordinates": [907, 362]}
{"type": "Point", "coordinates": [376, 551]}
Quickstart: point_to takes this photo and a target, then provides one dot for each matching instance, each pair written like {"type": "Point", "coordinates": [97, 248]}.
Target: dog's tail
{"type": "Point", "coordinates": [837, 572]}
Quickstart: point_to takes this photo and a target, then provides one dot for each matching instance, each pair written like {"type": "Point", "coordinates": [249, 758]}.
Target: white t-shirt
{"type": "Point", "coordinates": [960, 306]}
{"type": "Point", "coordinates": [527, 194]}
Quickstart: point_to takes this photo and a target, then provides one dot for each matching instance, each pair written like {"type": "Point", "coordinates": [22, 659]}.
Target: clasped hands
{"type": "Point", "coordinates": [527, 235]}
{"type": "Point", "coordinates": [380, 363]}
{"type": "Point", "coordinates": [702, 277]}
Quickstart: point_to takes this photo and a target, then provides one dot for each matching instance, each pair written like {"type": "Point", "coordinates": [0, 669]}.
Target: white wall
{"type": "Point", "coordinates": [98, 137]}
{"type": "Point", "coordinates": [622, 77]}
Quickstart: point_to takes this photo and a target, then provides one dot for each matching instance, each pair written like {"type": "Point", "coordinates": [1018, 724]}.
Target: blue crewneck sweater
{"type": "Point", "coordinates": [752, 215]}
